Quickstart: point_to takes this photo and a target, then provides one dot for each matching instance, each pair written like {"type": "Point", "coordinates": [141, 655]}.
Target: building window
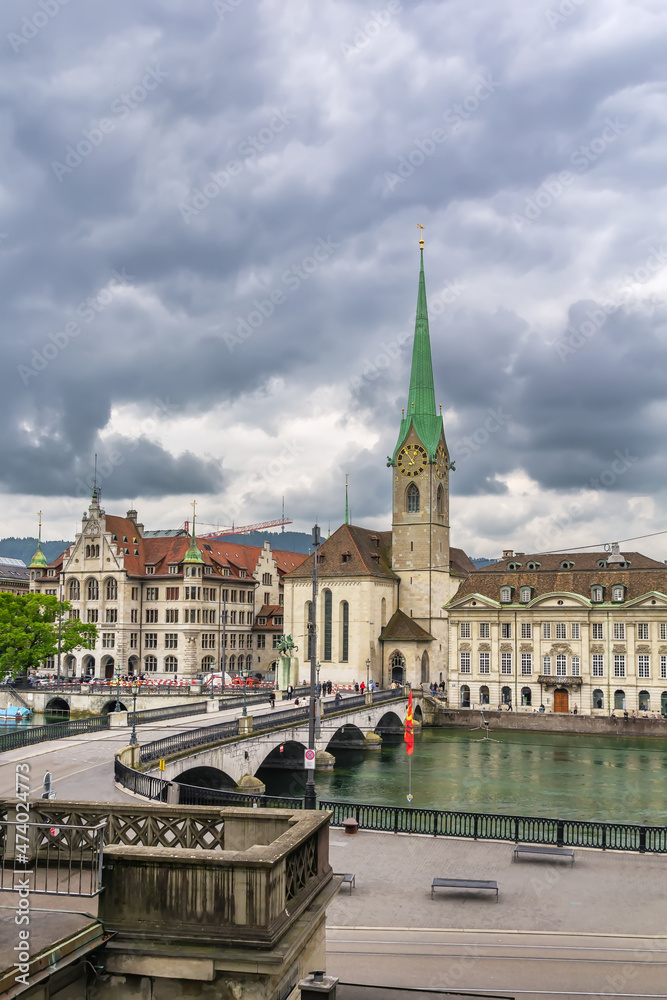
{"type": "Point", "coordinates": [642, 631]}
{"type": "Point", "coordinates": [134, 640]}
{"type": "Point", "coordinates": [465, 696]}
{"type": "Point", "coordinates": [561, 630]}
{"type": "Point", "coordinates": [232, 618]}
{"type": "Point", "coordinates": [596, 595]}
{"type": "Point", "coordinates": [172, 593]}
{"type": "Point", "coordinates": [134, 616]}
{"type": "Point", "coordinates": [345, 618]}
{"type": "Point", "coordinates": [108, 640]}
{"type": "Point", "coordinates": [151, 616]}
{"type": "Point", "coordinates": [74, 613]}
{"type": "Point", "coordinates": [170, 664]}
{"type": "Point", "coordinates": [505, 595]}
{"type": "Point", "coordinates": [663, 667]}
{"type": "Point", "coordinates": [506, 663]}
{"type": "Point", "coordinates": [150, 664]}
{"type": "Point", "coordinates": [484, 630]}
{"type": "Point", "coordinates": [598, 699]}
{"type": "Point", "coordinates": [275, 641]}
{"type": "Point", "coordinates": [93, 591]}
{"type": "Point", "coordinates": [171, 616]}
{"type": "Point", "coordinates": [663, 630]}
{"type": "Point", "coordinates": [413, 499]}
{"type": "Point", "coordinates": [546, 630]}
{"type": "Point", "coordinates": [598, 630]}
{"type": "Point", "coordinates": [485, 663]}
{"type": "Point", "coordinates": [526, 664]}
{"type": "Point", "coordinates": [644, 701]}
{"type": "Point", "coordinates": [465, 630]}
{"type": "Point", "coordinates": [643, 666]}
{"type": "Point", "coordinates": [112, 590]}
{"type": "Point", "coordinates": [546, 665]}
{"type": "Point", "coordinates": [241, 617]}
{"type": "Point", "coordinates": [440, 501]}
{"type": "Point", "coordinates": [232, 640]}
{"type": "Point", "coordinates": [525, 595]}
{"type": "Point", "coordinates": [150, 640]}
{"type": "Point", "coordinates": [111, 615]}
{"type": "Point", "coordinates": [327, 624]}
{"type": "Point", "coordinates": [173, 568]}
{"type": "Point", "coordinates": [506, 630]}
{"type": "Point", "coordinates": [261, 642]}
{"type": "Point", "coordinates": [267, 580]}
{"type": "Point", "coordinates": [526, 630]}
{"type": "Point", "coordinates": [598, 665]}
{"type": "Point", "coordinates": [526, 696]}
{"type": "Point", "coordinates": [464, 663]}
{"type": "Point", "coordinates": [575, 664]}
{"type": "Point", "coordinates": [135, 593]}
{"type": "Point", "coordinates": [575, 630]}
{"type": "Point", "coordinates": [93, 615]}
{"type": "Point", "coordinates": [150, 570]}
{"type": "Point", "coordinates": [171, 640]}
{"type": "Point", "coordinates": [208, 640]}
{"type": "Point", "coordinates": [278, 620]}
{"type": "Point", "coordinates": [561, 665]}
{"type": "Point", "coordinates": [232, 597]}
{"type": "Point", "coordinates": [617, 593]}
{"type": "Point", "coordinates": [619, 630]}
{"type": "Point", "coordinates": [152, 593]}
{"type": "Point", "coordinates": [619, 665]}
{"type": "Point", "coordinates": [74, 590]}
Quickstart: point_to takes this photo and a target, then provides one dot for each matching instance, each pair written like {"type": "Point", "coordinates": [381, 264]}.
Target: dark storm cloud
{"type": "Point", "coordinates": [252, 171]}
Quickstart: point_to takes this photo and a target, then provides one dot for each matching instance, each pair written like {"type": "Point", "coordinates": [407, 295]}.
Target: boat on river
{"type": "Point", "coordinates": [14, 713]}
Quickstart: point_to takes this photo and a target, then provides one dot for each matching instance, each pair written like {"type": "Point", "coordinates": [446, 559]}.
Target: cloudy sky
{"type": "Point", "coordinates": [209, 260]}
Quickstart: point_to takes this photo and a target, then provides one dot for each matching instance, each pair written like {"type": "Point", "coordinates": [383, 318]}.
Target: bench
{"type": "Point", "coordinates": [552, 852]}
{"type": "Point", "coordinates": [348, 879]}
{"type": "Point", "coordinates": [463, 883]}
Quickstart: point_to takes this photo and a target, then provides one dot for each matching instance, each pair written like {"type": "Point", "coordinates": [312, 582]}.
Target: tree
{"type": "Point", "coordinates": [29, 631]}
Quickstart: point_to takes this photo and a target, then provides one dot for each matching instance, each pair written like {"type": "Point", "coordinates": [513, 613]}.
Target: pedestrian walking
{"type": "Point", "coordinates": [272, 698]}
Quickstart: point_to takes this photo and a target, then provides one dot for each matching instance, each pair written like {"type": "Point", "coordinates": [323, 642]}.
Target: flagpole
{"type": "Point", "coordinates": [409, 737]}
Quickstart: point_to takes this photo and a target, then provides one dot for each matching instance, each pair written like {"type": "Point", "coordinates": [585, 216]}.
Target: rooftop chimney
{"type": "Point", "coordinates": [508, 553]}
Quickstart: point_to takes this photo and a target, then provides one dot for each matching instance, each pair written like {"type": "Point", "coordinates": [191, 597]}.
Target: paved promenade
{"type": "Point", "coordinates": [596, 928]}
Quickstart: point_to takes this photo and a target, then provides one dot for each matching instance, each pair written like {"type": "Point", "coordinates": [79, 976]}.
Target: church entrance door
{"type": "Point", "coordinates": [561, 700]}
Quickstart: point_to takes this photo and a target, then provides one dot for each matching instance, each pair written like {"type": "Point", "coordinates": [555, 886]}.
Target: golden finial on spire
{"type": "Point", "coordinates": [402, 411]}
{"type": "Point", "coordinates": [441, 409]}
{"type": "Point", "coordinates": [419, 226]}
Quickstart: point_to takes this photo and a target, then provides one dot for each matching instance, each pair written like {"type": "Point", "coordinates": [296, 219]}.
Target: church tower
{"type": "Point", "coordinates": [420, 470]}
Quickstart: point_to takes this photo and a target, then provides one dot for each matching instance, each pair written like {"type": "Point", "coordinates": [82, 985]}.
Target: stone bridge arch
{"type": "Point", "coordinates": [57, 706]}
{"type": "Point", "coordinates": [110, 706]}
{"type": "Point", "coordinates": [347, 737]}
{"type": "Point", "coordinates": [205, 776]}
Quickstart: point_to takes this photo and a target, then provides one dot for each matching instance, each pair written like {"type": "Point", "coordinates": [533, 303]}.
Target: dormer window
{"type": "Point", "coordinates": [150, 570]}
{"type": "Point", "coordinates": [346, 556]}
{"type": "Point", "coordinates": [532, 566]}
{"type": "Point", "coordinates": [505, 595]}
{"type": "Point", "coordinates": [261, 620]}
{"type": "Point", "coordinates": [526, 594]}
{"type": "Point", "coordinates": [376, 539]}
{"type": "Point", "coordinates": [597, 594]}
{"type": "Point", "coordinates": [124, 538]}
{"type": "Point", "coordinates": [601, 564]}
{"type": "Point", "coordinates": [375, 556]}
{"type": "Point", "coordinates": [618, 593]}
{"type": "Point", "coordinates": [514, 565]}
{"type": "Point", "coordinates": [567, 564]}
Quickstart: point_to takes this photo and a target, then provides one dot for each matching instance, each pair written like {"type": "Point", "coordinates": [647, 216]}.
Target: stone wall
{"type": "Point", "coordinates": [544, 722]}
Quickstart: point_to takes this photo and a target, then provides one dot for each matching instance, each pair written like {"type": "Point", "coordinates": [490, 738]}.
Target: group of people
{"type": "Point", "coordinates": [434, 688]}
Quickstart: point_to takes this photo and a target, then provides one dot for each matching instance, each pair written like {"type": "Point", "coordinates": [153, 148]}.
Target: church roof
{"type": "Point", "coordinates": [401, 628]}
{"type": "Point", "coordinates": [459, 563]}
{"type": "Point", "coordinates": [421, 411]}
{"type": "Point", "coordinates": [351, 551]}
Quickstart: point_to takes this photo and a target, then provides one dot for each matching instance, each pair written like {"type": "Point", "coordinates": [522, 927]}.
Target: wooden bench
{"type": "Point", "coordinates": [544, 851]}
{"type": "Point", "coordinates": [348, 879]}
{"type": "Point", "coordinates": [463, 883]}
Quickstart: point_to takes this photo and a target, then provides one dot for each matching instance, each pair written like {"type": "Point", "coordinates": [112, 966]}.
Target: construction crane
{"type": "Point", "coordinates": [239, 530]}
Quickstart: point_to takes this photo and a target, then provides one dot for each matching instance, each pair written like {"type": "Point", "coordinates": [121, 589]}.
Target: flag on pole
{"type": "Point", "coordinates": [409, 736]}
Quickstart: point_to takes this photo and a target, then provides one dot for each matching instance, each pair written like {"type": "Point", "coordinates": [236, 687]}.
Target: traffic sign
{"type": "Point", "coordinates": [310, 760]}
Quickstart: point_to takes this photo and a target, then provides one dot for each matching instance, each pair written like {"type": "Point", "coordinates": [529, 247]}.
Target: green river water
{"type": "Point", "coordinates": [547, 774]}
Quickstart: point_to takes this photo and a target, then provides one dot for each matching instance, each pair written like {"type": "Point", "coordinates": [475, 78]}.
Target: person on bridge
{"type": "Point", "coordinates": [272, 698]}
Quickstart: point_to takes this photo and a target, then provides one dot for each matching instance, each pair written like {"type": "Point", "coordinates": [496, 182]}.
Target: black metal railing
{"type": "Point", "coordinates": [62, 860]}
{"type": "Point", "coordinates": [237, 701]}
{"type": "Point", "coordinates": [187, 740]}
{"type": "Point", "coordinates": [56, 731]}
{"type": "Point", "coordinates": [516, 829]}
{"type": "Point", "coordinates": [170, 712]}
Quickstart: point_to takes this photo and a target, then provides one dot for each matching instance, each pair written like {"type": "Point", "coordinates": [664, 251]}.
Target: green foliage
{"type": "Point", "coordinates": [29, 631]}
{"type": "Point", "coordinates": [24, 548]}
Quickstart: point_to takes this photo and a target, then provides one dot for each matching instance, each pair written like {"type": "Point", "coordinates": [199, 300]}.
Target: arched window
{"type": "Point", "coordinates": [644, 701]}
{"type": "Point", "coordinates": [465, 696]}
{"type": "Point", "coordinates": [484, 695]}
{"type": "Point", "coordinates": [232, 662]}
{"type": "Point", "coordinates": [383, 612]}
{"type": "Point", "coordinates": [112, 590]}
{"type": "Point", "coordinates": [344, 631]}
{"type": "Point", "coordinates": [663, 703]}
{"type": "Point", "coordinates": [170, 664]}
{"type": "Point", "coordinates": [619, 699]}
{"type": "Point", "coordinates": [412, 498]}
{"type": "Point", "coordinates": [526, 696]}
{"type": "Point", "coordinates": [150, 663]}
{"type": "Point", "coordinates": [92, 590]}
{"type": "Point", "coordinates": [208, 664]}
{"type": "Point", "coordinates": [397, 663]}
{"type": "Point", "coordinates": [74, 590]}
{"type": "Point", "coordinates": [248, 662]}
{"type": "Point", "coordinates": [327, 625]}
{"type": "Point", "coordinates": [506, 696]}
{"type": "Point", "coordinates": [426, 672]}
{"type": "Point", "coordinates": [598, 699]}
{"type": "Point", "coordinates": [440, 501]}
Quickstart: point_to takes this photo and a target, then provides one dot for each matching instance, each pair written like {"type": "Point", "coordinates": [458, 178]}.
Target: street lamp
{"type": "Point", "coordinates": [60, 617]}
{"type": "Point", "coordinates": [117, 706]}
{"type": "Point", "coordinates": [368, 673]}
{"type": "Point", "coordinates": [133, 737]}
{"type": "Point", "coordinates": [244, 676]}
{"type": "Point", "coordinates": [310, 800]}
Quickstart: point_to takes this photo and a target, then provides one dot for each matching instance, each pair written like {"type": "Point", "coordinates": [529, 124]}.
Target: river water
{"type": "Point", "coordinates": [550, 774]}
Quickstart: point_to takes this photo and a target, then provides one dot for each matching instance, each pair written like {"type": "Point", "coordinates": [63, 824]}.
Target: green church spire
{"type": "Point", "coordinates": [38, 561]}
{"type": "Point", "coordinates": [193, 555]}
{"type": "Point", "coordinates": [347, 509]}
{"type": "Point", "coordinates": [421, 410]}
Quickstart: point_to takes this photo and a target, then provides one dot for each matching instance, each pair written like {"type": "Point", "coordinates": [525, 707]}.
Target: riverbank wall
{"type": "Point", "coordinates": [437, 714]}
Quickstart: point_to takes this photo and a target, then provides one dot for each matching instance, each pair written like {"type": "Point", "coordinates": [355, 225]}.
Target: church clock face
{"type": "Point", "coordinates": [412, 459]}
{"type": "Point", "coordinates": [441, 461]}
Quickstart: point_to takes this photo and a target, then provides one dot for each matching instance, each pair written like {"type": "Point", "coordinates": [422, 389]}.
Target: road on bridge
{"type": "Point", "coordinates": [82, 766]}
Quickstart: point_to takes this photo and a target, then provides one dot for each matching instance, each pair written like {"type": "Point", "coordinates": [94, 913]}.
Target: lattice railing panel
{"type": "Point", "coordinates": [300, 867]}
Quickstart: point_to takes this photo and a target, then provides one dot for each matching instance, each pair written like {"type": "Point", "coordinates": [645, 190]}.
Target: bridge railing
{"type": "Point", "coordinates": [62, 860]}
{"type": "Point", "coordinates": [170, 712]}
{"type": "Point", "coordinates": [187, 740]}
{"type": "Point", "coordinates": [56, 731]}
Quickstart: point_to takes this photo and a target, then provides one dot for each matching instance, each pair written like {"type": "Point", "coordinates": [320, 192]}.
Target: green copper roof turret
{"type": "Point", "coordinates": [38, 561]}
{"type": "Point", "coordinates": [421, 410]}
{"type": "Point", "coordinates": [192, 554]}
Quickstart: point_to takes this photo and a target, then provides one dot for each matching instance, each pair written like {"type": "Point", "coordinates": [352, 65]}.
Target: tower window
{"type": "Point", "coordinates": [440, 501]}
{"type": "Point", "coordinates": [413, 499]}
